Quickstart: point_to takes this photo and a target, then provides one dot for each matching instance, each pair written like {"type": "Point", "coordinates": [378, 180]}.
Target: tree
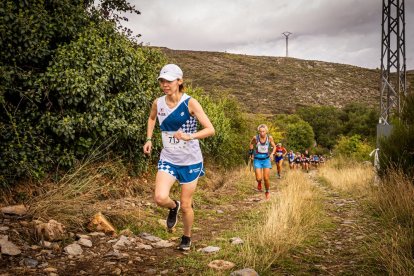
{"type": "Point", "coordinates": [359, 119]}
{"type": "Point", "coordinates": [325, 122]}
{"type": "Point", "coordinates": [299, 136]}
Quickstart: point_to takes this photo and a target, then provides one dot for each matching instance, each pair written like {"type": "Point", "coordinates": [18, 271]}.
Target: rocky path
{"type": "Point", "coordinates": [339, 250]}
{"type": "Point", "coordinates": [98, 253]}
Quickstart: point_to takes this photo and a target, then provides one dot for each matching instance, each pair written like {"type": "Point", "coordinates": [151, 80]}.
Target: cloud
{"type": "Point", "coordinates": [346, 31]}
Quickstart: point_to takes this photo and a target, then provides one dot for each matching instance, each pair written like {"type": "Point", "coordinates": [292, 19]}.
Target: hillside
{"type": "Point", "coordinates": [271, 85]}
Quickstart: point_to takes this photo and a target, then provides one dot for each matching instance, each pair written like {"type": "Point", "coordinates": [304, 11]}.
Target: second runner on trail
{"type": "Point", "coordinates": [260, 146]}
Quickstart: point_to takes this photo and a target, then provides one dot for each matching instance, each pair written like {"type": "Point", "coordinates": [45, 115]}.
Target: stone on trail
{"type": "Point", "coordinates": [16, 210]}
{"type": "Point", "coordinates": [73, 249]}
{"type": "Point", "coordinates": [4, 228]}
{"type": "Point", "coordinates": [150, 237]}
{"type": "Point", "coordinates": [122, 242]}
{"type": "Point", "coordinates": [113, 255]}
{"type": "Point", "coordinates": [244, 272]}
{"type": "Point", "coordinates": [9, 248]}
{"type": "Point", "coordinates": [85, 242]}
{"type": "Point", "coordinates": [94, 234]}
{"type": "Point", "coordinates": [162, 244]}
{"type": "Point", "coordinates": [236, 240]}
{"type": "Point", "coordinates": [83, 236]}
{"type": "Point", "coordinates": [221, 265]}
{"type": "Point", "coordinates": [100, 223]}
{"type": "Point", "coordinates": [45, 244]}
{"type": "Point", "coordinates": [209, 249]}
{"type": "Point", "coordinates": [50, 270]}
{"type": "Point", "coordinates": [30, 262]}
{"type": "Point", "coordinates": [50, 231]}
{"type": "Point", "coordinates": [143, 246]}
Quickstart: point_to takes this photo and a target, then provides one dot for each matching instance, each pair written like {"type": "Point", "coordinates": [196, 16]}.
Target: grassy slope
{"type": "Point", "coordinates": [260, 82]}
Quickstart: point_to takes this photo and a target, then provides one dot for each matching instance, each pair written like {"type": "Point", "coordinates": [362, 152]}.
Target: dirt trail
{"type": "Point", "coordinates": [342, 248]}
{"type": "Point", "coordinates": [338, 251]}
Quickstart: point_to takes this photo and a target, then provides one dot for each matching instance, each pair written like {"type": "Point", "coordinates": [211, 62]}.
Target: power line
{"type": "Point", "coordinates": [393, 86]}
{"type": "Point", "coordinates": [287, 34]}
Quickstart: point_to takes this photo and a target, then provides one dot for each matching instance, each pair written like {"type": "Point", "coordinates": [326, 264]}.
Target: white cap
{"type": "Point", "coordinates": [171, 72]}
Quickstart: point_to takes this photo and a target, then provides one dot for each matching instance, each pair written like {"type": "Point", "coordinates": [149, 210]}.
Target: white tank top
{"type": "Point", "coordinates": [178, 152]}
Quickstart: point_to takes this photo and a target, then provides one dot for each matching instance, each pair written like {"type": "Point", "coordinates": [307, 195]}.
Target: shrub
{"type": "Point", "coordinates": [225, 147]}
{"type": "Point", "coordinates": [397, 150]}
{"type": "Point", "coordinates": [325, 122]}
{"type": "Point", "coordinates": [68, 84]}
{"type": "Point", "coordinates": [353, 147]}
{"type": "Point", "coordinates": [298, 134]}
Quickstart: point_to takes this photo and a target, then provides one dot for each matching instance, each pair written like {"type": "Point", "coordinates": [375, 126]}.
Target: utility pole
{"type": "Point", "coordinates": [393, 86]}
{"type": "Point", "coordinates": [393, 68]}
{"type": "Point", "coordinates": [287, 34]}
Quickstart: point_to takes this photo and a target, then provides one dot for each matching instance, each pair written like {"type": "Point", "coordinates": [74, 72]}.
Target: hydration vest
{"type": "Point", "coordinates": [262, 149]}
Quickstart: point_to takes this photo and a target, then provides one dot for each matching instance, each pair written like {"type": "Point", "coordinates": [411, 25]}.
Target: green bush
{"type": "Point", "coordinates": [353, 147]}
{"type": "Point", "coordinates": [298, 134]}
{"type": "Point", "coordinates": [325, 122]}
{"type": "Point", "coordinates": [226, 148]}
{"type": "Point", "coordinates": [69, 85]}
{"type": "Point", "coordinates": [329, 122]}
{"type": "Point", "coordinates": [359, 119]}
{"type": "Point", "coordinates": [397, 150]}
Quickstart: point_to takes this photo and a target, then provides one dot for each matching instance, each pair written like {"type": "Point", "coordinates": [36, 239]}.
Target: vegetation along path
{"type": "Point", "coordinates": [233, 209]}
{"type": "Point", "coordinates": [341, 248]}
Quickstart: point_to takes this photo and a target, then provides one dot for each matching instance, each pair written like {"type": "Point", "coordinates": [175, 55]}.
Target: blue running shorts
{"type": "Point", "coordinates": [278, 158]}
{"type": "Point", "coordinates": [262, 163]}
{"type": "Point", "coordinates": [184, 174]}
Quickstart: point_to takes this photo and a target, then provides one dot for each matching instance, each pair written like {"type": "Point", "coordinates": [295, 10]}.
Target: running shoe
{"type": "Point", "coordinates": [259, 186]}
{"type": "Point", "coordinates": [185, 243]}
{"type": "Point", "coordinates": [267, 195]}
{"type": "Point", "coordinates": [173, 215]}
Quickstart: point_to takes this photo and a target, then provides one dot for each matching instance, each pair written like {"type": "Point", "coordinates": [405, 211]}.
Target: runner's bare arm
{"type": "Point", "coordinates": [197, 111]}
{"type": "Point", "coordinates": [272, 142]}
{"type": "Point", "coordinates": [150, 127]}
{"type": "Point", "coordinates": [251, 146]}
{"type": "Point", "coordinates": [252, 143]}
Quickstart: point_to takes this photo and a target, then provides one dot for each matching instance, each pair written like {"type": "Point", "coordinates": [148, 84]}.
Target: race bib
{"type": "Point", "coordinates": [262, 148]}
{"type": "Point", "coordinates": [279, 154]}
{"type": "Point", "coordinates": [169, 142]}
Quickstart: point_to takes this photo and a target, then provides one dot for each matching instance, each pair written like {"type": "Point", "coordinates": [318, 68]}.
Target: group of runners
{"type": "Point", "coordinates": [304, 160]}
{"type": "Point", "coordinates": [263, 151]}
{"type": "Point", "coordinates": [181, 158]}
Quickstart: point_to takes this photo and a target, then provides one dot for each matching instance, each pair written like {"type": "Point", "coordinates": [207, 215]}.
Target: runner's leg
{"type": "Point", "coordinates": [163, 184]}
{"type": "Point", "coordinates": [266, 177]}
{"type": "Point", "coordinates": [187, 191]}
{"type": "Point", "coordinates": [280, 163]}
{"type": "Point", "coordinates": [259, 177]}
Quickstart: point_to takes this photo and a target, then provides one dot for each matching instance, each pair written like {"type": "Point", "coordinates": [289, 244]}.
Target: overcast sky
{"type": "Point", "coordinates": [343, 31]}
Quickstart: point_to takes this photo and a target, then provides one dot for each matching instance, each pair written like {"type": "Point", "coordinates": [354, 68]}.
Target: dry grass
{"type": "Point", "coordinates": [79, 194]}
{"type": "Point", "coordinates": [348, 176]}
{"type": "Point", "coordinates": [295, 208]}
{"type": "Point", "coordinates": [394, 202]}
{"type": "Point", "coordinates": [392, 243]}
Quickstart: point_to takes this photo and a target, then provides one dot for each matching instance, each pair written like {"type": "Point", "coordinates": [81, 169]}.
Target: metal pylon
{"type": "Point", "coordinates": [393, 67]}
